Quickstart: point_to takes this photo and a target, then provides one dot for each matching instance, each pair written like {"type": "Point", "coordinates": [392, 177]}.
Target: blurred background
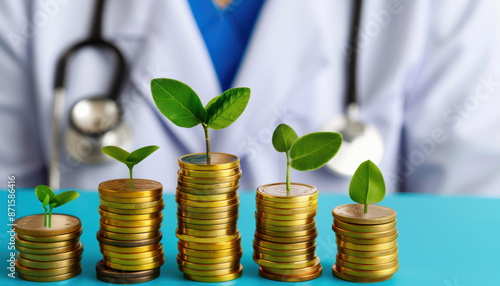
{"type": "Point", "coordinates": [420, 77]}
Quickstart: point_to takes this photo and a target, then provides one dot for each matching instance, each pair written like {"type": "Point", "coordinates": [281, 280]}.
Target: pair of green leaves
{"type": "Point", "coordinates": [308, 152]}
{"type": "Point", "coordinates": [367, 185]}
{"type": "Point", "coordinates": [181, 105]}
{"type": "Point", "coordinates": [48, 198]}
{"type": "Point", "coordinates": [129, 159]}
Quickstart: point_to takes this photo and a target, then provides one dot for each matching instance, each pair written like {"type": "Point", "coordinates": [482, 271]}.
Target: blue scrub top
{"type": "Point", "coordinates": [226, 33]}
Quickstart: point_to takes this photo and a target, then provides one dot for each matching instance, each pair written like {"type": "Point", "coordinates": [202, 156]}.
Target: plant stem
{"type": "Point", "coordinates": [207, 141]}
{"type": "Point", "coordinates": [131, 181]}
{"type": "Point", "coordinates": [50, 217]}
{"type": "Point", "coordinates": [366, 208]}
{"type": "Point", "coordinates": [288, 163]}
{"type": "Point", "coordinates": [45, 218]}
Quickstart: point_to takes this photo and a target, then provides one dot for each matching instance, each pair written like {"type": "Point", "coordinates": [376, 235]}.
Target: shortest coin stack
{"type": "Point", "coordinates": [48, 254]}
{"type": "Point", "coordinates": [367, 249]}
{"type": "Point", "coordinates": [285, 238]}
{"type": "Point", "coordinates": [129, 236]}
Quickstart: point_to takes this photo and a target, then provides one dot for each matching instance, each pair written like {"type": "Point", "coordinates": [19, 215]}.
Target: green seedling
{"type": "Point", "coordinates": [367, 184]}
{"type": "Point", "coordinates": [307, 153]}
{"type": "Point", "coordinates": [129, 159]}
{"type": "Point", "coordinates": [47, 197]}
{"type": "Point", "coordinates": [182, 106]}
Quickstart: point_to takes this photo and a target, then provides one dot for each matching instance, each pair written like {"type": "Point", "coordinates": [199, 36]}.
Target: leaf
{"type": "Point", "coordinates": [314, 150]}
{"type": "Point", "coordinates": [42, 191]}
{"type": "Point", "coordinates": [46, 201]}
{"type": "Point", "coordinates": [283, 138]}
{"type": "Point", "coordinates": [211, 101]}
{"type": "Point", "coordinates": [227, 107]}
{"type": "Point", "coordinates": [178, 102]}
{"type": "Point", "coordinates": [63, 198]}
{"type": "Point", "coordinates": [116, 153]}
{"type": "Point", "coordinates": [141, 154]}
{"type": "Point", "coordinates": [367, 184]}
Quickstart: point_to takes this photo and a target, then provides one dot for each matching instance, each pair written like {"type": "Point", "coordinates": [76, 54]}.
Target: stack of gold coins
{"type": "Point", "coordinates": [207, 212]}
{"type": "Point", "coordinates": [129, 235]}
{"type": "Point", "coordinates": [367, 243]}
{"type": "Point", "coordinates": [285, 238]}
{"type": "Point", "coordinates": [48, 254]}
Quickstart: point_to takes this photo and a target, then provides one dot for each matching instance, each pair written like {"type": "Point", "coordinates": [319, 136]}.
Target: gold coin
{"type": "Point", "coordinates": [208, 204]}
{"type": "Point", "coordinates": [208, 209]}
{"type": "Point", "coordinates": [351, 278]}
{"type": "Point", "coordinates": [278, 193]}
{"type": "Point", "coordinates": [137, 255]}
{"type": "Point", "coordinates": [369, 267]}
{"type": "Point", "coordinates": [205, 198]}
{"type": "Point", "coordinates": [210, 174]}
{"type": "Point", "coordinates": [132, 223]}
{"type": "Point", "coordinates": [207, 267]}
{"type": "Point", "coordinates": [219, 260]}
{"type": "Point", "coordinates": [291, 278]}
{"type": "Point", "coordinates": [364, 235]}
{"type": "Point", "coordinates": [132, 211]}
{"type": "Point", "coordinates": [367, 247]}
{"type": "Point", "coordinates": [51, 239]}
{"type": "Point", "coordinates": [368, 274]}
{"type": "Point", "coordinates": [368, 241]}
{"type": "Point", "coordinates": [212, 246]}
{"type": "Point", "coordinates": [299, 222]}
{"type": "Point", "coordinates": [218, 161]}
{"type": "Point", "coordinates": [129, 280]}
{"type": "Point", "coordinates": [209, 273]}
{"type": "Point", "coordinates": [208, 181]}
{"type": "Point", "coordinates": [294, 217]}
{"type": "Point", "coordinates": [33, 225]}
{"type": "Point", "coordinates": [128, 236]}
{"type": "Point", "coordinates": [48, 264]}
{"type": "Point", "coordinates": [120, 188]}
{"type": "Point", "coordinates": [222, 238]}
{"type": "Point", "coordinates": [135, 267]}
{"type": "Point", "coordinates": [221, 278]}
{"type": "Point", "coordinates": [283, 246]}
{"type": "Point", "coordinates": [286, 265]}
{"type": "Point", "coordinates": [297, 271]}
{"type": "Point", "coordinates": [207, 216]}
{"type": "Point", "coordinates": [355, 213]}
{"type": "Point", "coordinates": [135, 261]}
{"type": "Point", "coordinates": [129, 217]}
{"type": "Point", "coordinates": [287, 233]}
{"type": "Point", "coordinates": [208, 222]}
{"type": "Point", "coordinates": [130, 250]}
{"type": "Point", "coordinates": [363, 260]}
{"type": "Point", "coordinates": [275, 252]}
{"type": "Point", "coordinates": [285, 259]}
{"type": "Point", "coordinates": [286, 239]}
{"type": "Point", "coordinates": [131, 206]}
{"type": "Point", "coordinates": [130, 243]}
{"type": "Point", "coordinates": [286, 205]}
{"type": "Point", "coordinates": [23, 270]}
{"type": "Point", "coordinates": [208, 253]}
{"type": "Point", "coordinates": [364, 227]}
{"type": "Point", "coordinates": [368, 254]}
{"type": "Point", "coordinates": [304, 227]}
{"type": "Point", "coordinates": [206, 186]}
{"type": "Point", "coordinates": [127, 230]}
{"type": "Point", "coordinates": [54, 257]}
{"type": "Point", "coordinates": [271, 210]}
{"type": "Point", "coordinates": [207, 192]}
{"type": "Point", "coordinates": [52, 278]}
{"type": "Point", "coordinates": [45, 245]}
{"type": "Point", "coordinates": [181, 224]}
{"type": "Point", "coordinates": [208, 233]}
{"type": "Point", "coordinates": [46, 251]}
{"type": "Point", "coordinates": [131, 200]}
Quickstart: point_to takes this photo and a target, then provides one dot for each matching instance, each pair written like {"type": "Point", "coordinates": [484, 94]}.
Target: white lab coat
{"type": "Point", "coordinates": [418, 60]}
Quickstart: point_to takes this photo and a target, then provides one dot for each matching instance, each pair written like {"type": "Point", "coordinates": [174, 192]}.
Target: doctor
{"type": "Point", "coordinates": [428, 79]}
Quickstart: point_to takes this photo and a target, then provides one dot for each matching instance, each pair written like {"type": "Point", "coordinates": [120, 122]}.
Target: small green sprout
{"type": "Point", "coordinates": [367, 185]}
{"type": "Point", "coordinates": [47, 197]}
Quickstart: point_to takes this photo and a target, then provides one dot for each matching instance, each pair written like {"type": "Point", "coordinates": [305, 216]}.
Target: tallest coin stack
{"type": "Point", "coordinates": [207, 212]}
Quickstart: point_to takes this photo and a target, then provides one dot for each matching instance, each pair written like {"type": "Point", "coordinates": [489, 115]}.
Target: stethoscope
{"type": "Point", "coordinates": [94, 122]}
{"type": "Point", "coordinates": [361, 140]}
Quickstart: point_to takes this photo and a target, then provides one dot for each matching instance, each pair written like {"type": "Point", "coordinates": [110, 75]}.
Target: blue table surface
{"type": "Point", "coordinates": [447, 241]}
